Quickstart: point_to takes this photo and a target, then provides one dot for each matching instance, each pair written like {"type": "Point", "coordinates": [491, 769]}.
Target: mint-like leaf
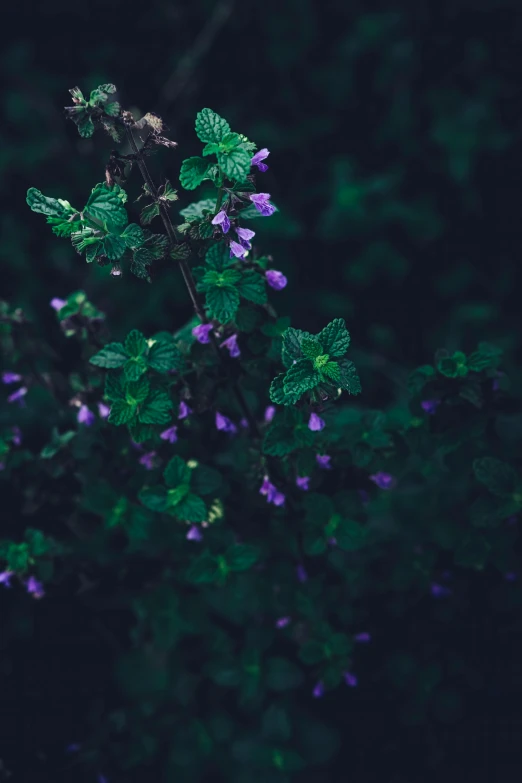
{"type": "Point", "coordinates": [192, 173]}
{"type": "Point", "coordinates": [210, 127]}
{"type": "Point", "coordinates": [111, 356]}
{"type": "Point", "coordinates": [335, 338]}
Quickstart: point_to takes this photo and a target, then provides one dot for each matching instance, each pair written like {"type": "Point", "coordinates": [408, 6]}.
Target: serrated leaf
{"type": "Point", "coordinates": [210, 149]}
{"type": "Point", "coordinates": [335, 338]}
{"type": "Point", "coordinates": [121, 412]}
{"type": "Point", "coordinates": [177, 472]}
{"type": "Point", "coordinates": [252, 287]}
{"type": "Point", "coordinates": [107, 205]}
{"type": "Point", "coordinates": [156, 247]}
{"type": "Point", "coordinates": [137, 391]}
{"type": "Point", "coordinates": [148, 213]}
{"type": "Point", "coordinates": [291, 350]}
{"type": "Point", "coordinates": [133, 236]}
{"type": "Point", "coordinates": [241, 557]}
{"type": "Point", "coordinates": [135, 343]}
{"type": "Point", "coordinates": [300, 377]}
{"type": "Point", "coordinates": [114, 247]}
{"type": "Point", "coordinates": [134, 368]}
{"type": "Point", "coordinates": [206, 480]}
{"type": "Point", "coordinates": [192, 509]}
{"type": "Point", "coordinates": [154, 498]}
{"type": "Point", "coordinates": [176, 495]}
{"type": "Point", "coordinates": [487, 356]}
{"type": "Point", "coordinates": [499, 477]}
{"type": "Point", "coordinates": [199, 208]}
{"type": "Point", "coordinates": [235, 164]}
{"type": "Point", "coordinates": [210, 127]}
{"type": "Point", "coordinates": [156, 409]}
{"type": "Point", "coordinates": [52, 207]}
{"type": "Point", "coordinates": [164, 356]}
{"type": "Point", "coordinates": [217, 257]}
{"type": "Point", "coordinates": [222, 304]}
{"type": "Point", "coordinates": [349, 379]}
{"type": "Point", "coordinates": [110, 357]}
{"type": "Point", "coordinates": [332, 371]}
{"type": "Point", "coordinates": [114, 389]}
{"type": "Point", "coordinates": [192, 173]}
{"type": "Point", "coordinates": [169, 193]}
{"type": "Point", "coordinates": [277, 392]}
{"type": "Point", "coordinates": [180, 252]}
{"type": "Point", "coordinates": [310, 348]}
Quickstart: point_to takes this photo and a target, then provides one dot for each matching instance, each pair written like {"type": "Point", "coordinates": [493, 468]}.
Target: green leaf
{"type": "Point", "coordinates": [134, 368]}
{"type": "Point", "coordinates": [121, 412]}
{"type": "Point", "coordinates": [114, 389]}
{"type": "Point", "coordinates": [311, 348]}
{"type": "Point", "coordinates": [235, 164]}
{"type": "Point", "coordinates": [291, 350]}
{"type": "Point", "coordinates": [453, 366]}
{"type": "Point", "coordinates": [335, 338]}
{"type": "Point", "coordinates": [210, 127]}
{"type": "Point", "coordinates": [148, 213]}
{"type": "Point", "coordinates": [164, 356]}
{"type": "Point", "coordinates": [176, 495]}
{"type": "Point", "coordinates": [135, 343]}
{"type": "Point", "coordinates": [199, 209]}
{"type": "Point", "coordinates": [137, 391]}
{"type": "Point", "coordinates": [157, 245]}
{"type": "Point", "coordinates": [154, 498]}
{"type": "Point", "coordinates": [241, 557]}
{"type": "Point", "coordinates": [332, 371]}
{"type": "Point", "coordinates": [348, 379]}
{"type": "Point", "coordinates": [192, 509]}
{"type": "Point", "coordinates": [279, 440]}
{"type": "Point", "coordinates": [497, 476]}
{"type": "Point", "coordinates": [140, 432]}
{"type": "Point", "coordinates": [300, 377]}
{"type": "Point", "coordinates": [107, 205]}
{"type": "Point", "coordinates": [217, 257]}
{"type": "Point", "coordinates": [252, 287]}
{"type": "Point", "coordinates": [203, 570]}
{"type": "Point", "coordinates": [156, 409]}
{"type": "Point", "coordinates": [182, 251]}
{"type": "Point", "coordinates": [222, 304]}
{"type": "Point", "coordinates": [114, 247]}
{"type": "Point", "coordinates": [52, 207]}
{"type": "Point", "coordinates": [278, 394]}
{"type": "Point", "coordinates": [58, 441]}
{"type": "Point", "coordinates": [350, 535]}
{"type": "Point", "coordinates": [111, 356]}
{"type": "Point", "coordinates": [487, 356]}
{"type": "Point", "coordinates": [193, 171]}
{"type": "Point", "coordinates": [418, 379]}
{"type": "Point", "coordinates": [133, 236]}
{"type": "Point", "coordinates": [211, 148]}
{"type": "Point", "coordinates": [282, 674]}
{"type": "Point", "coordinates": [177, 472]}
{"type": "Point", "coordinates": [18, 558]}
{"type": "Point", "coordinates": [206, 480]}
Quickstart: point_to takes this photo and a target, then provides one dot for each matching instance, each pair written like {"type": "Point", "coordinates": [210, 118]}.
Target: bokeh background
{"type": "Point", "coordinates": [395, 161]}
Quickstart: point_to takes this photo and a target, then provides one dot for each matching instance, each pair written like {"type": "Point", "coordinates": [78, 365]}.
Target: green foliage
{"type": "Point", "coordinates": [193, 172]}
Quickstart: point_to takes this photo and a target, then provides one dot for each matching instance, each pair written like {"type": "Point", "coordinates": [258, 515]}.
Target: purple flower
{"type": "Point", "coordinates": [275, 279]}
{"type": "Point", "coordinates": [237, 250]}
{"type": "Point", "coordinates": [85, 416]}
{"type": "Point", "coordinates": [315, 423]}
{"type": "Point", "coordinates": [148, 459]}
{"type": "Point", "coordinates": [184, 410]}
{"type": "Point", "coordinates": [222, 220]}
{"type": "Point", "coordinates": [270, 412]}
{"type": "Point", "coordinates": [318, 691]}
{"type": "Point", "coordinates": [258, 157]}
{"type": "Point", "coordinates": [302, 576]}
{"type": "Point", "coordinates": [18, 395]}
{"type": "Point", "coordinates": [383, 480]}
{"type": "Point", "coordinates": [332, 541]}
{"type": "Point", "coordinates": [303, 482]}
{"type": "Point", "coordinates": [35, 587]}
{"type": "Point", "coordinates": [170, 434]}
{"type": "Point", "coordinates": [244, 423]}
{"type": "Point", "coordinates": [11, 377]}
{"type": "Point", "coordinates": [202, 333]}
{"type": "Point", "coordinates": [194, 534]}
{"type": "Point", "coordinates": [350, 679]}
{"type": "Point", "coordinates": [323, 460]}
{"type": "Point", "coordinates": [57, 304]}
{"type": "Point", "coordinates": [17, 436]}
{"type": "Point", "coordinates": [364, 636]}
{"type": "Point", "coordinates": [439, 591]}
{"type": "Point", "coordinates": [232, 346]}
{"type": "Point", "coordinates": [103, 410]}
{"type": "Point", "coordinates": [245, 235]}
{"type": "Point", "coordinates": [283, 622]}
{"type": "Point", "coordinates": [262, 204]}
{"type": "Point", "coordinates": [224, 424]}
{"type": "Point", "coordinates": [5, 578]}
{"type": "Point", "coordinates": [272, 493]}
{"type": "Point", "coordinates": [430, 406]}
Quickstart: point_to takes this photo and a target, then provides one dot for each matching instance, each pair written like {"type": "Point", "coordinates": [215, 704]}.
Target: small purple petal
{"type": "Point", "coordinates": [430, 406]}
{"type": "Point", "coordinates": [323, 460]}
{"type": "Point", "coordinates": [170, 434]}
{"type": "Point", "coordinates": [5, 578]}
{"type": "Point", "coordinates": [383, 480]}
{"type": "Point", "coordinates": [57, 304]}
{"type": "Point", "coordinates": [18, 395]}
{"type": "Point", "coordinates": [303, 482]}
{"type": "Point", "coordinates": [350, 679]}
{"type": "Point", "coordinates": [11, 377]}
{"type": "Point", "coordinates": [17, 436]}
{"type": "Point", "coordinates": [86, 416]}
{"type": "Point", "coordinates": [232, 346]}
{"type": "Point", "coordinates": [184, 410]}
{"type": "Point", "coordinates": [246, 234]}
{"type": "Point", "coordinates": [272, 493]}
{"type": "Point", "coordinates": [202, 333]}
{"type": "Point", "coordinates": [315, 423]}
{"type": "Point", "coordinates": [222, 220]}
{"type": "Point", "coordinates": [270, 412]}
{"type": "Point", "coordinates": [258, 157]}
{"type": "Point", "coordinates": [275, 279]}
{"type": "Point", "coordinates": [318, 691]}
{"type": "Point", "coordinates": [148, 460]}
{"type": "Point", "coordinates": [194, 534]}
{"type": "Point", "coordinates": [35, 587]}
{"type": "Point", "coordinates": [244, 423]}
{"type": "Point", "coordinates": [237, 250]}
{"type": "Point", "coordinates": [439, 591]}
{"type": "Point", "coordinates": [364, 636]}
{"type": "Point", "coordinates": [332, 541]}
{"type": "Point", "coordinates": [262, 204]}
{"type": "Point", "coordinates": [302, 576]}
{"type": "Point", "coordinates": [103, 410]}
{"type": "Point", "coordinates": [224, 424]}
{"type": "Point", "coordinates": [283, 622]}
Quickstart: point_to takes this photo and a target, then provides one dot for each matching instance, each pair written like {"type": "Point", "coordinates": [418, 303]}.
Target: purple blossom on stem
{"type": "Point", "coordinates": [202, 333]}
{"type": "Point", "coordinates": [170, 434]}
{"type": "Point", "coordinates": [350, 679]}
{"type": "Point", "coordinates": [282, 622]}
{"type": "Point", "coordinates": [262, 203]}
{"type": "Point", "coordinates": [270, 412]}
{"type": "Point", "coordinates": [439, 591]}
{"type": "Point", "coordinates": [17, 436]}
{"type": "Point", "coordinates": [318, 691]}
{"type": "Point", "coordinates": [231, 345]}
{"type": "Point", "coordinates": [18, 395]}
{"type": "Point", "coordinates": [222, 220]}
{"type": "Point", "coordinates": [258, 157]}
{"type": "Point", "coordinates": [315, 423]}
{"type": "Point", "coordinates": [194, 534]}
{"type": "Point", "coordinates": [302, 576]}
{"type": "Point", "coordinates": [184, 410]}
{"type": "Point", "coordinates": [10, 377]}
{"type": "Point", "coordinates": [237, 250]}
{"type": "Point", "coordinates": [323, 460]}
{"type": "Point", "coordinates": [383, 480]}
{"type": "Point", "coordinates": [57, 304]}
{"type": "Point", "coordinates": [103, 410]}
{"type": "Point", "coordinates": [272, 493]}
{"type": "Point", "coordinates": [86, 416]}
{"type": "Point", "coordinates": [35, 587]}
{"type": "Point", "coordinates": [303, 482]}
{"type": "Point", "coordinates": [430, 406]}
{"type": "Point", "coordinates": [148, 460]}
{"type": "Point", "coordinates": [224, 424]}
{"type": "Point", "coordinates": [245, 235]}
{"type": "Point", "coordinates": [275, 279]}
{"type": "Point", "coordinates": [364, 636]}
{"type": "Point", "coordinates": [5, 578]}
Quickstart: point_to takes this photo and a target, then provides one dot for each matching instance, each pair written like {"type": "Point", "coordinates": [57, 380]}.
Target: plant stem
{"type": "Point", "coordinates": [187, 274]}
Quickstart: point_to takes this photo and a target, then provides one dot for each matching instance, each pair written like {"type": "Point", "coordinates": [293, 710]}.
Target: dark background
{"type": "Point", "coordinates": [395, 162]}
